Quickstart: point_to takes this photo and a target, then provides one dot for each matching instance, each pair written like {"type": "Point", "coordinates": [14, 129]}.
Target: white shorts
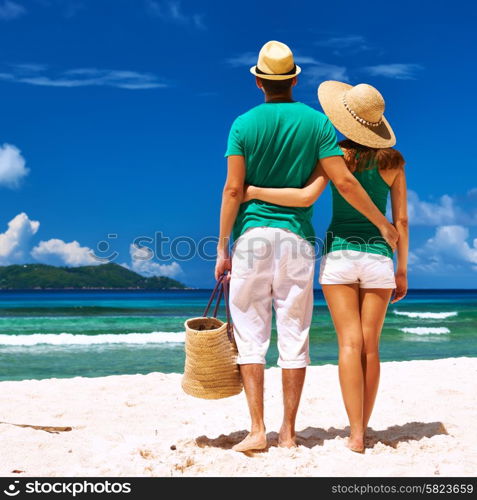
{"type": "Point", "coordinates": [272, 266]}
{"type": "Point", "coordinates": [344, 267]}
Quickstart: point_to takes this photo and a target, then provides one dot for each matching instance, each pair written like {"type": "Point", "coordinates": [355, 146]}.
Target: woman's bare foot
{"type": "Point", "coordinates": [356, 444]}
{"type": "Point", "coordinates": [286, 439]}
{"type": "Point", "coordinates": [254, 441]}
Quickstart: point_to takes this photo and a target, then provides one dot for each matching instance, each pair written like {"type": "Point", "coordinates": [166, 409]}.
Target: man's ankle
{"type": "Point", "coordinates": [287, 429]}
{"type": "Point", "coordinates": [258, 429]}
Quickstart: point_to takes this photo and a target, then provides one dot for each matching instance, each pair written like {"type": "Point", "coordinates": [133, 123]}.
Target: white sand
{"type": "Point", "coordinates": [424, 424]}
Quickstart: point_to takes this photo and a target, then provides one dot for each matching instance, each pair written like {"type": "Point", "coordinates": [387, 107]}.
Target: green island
{"type": "Point", "coordinates": [104, 276]}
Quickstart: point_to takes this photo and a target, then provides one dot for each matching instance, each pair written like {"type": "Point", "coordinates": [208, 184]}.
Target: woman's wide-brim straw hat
{"type": "Point", "coordinates": [275, 62]}
{"type": "Point", "coordinates": [357, 112]}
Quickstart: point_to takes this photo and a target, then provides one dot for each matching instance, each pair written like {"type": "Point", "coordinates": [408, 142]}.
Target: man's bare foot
{"type": "Point", "coordinates": [286, 439]}
{"type": "Point", "coordinates": [356, 444]}
{"type": "Point", "coordinates": [254, 441]}
{"type": "Point", "coordinates": [289, 443]}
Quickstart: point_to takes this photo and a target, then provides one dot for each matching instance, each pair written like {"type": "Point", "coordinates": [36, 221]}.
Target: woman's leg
{"type": "Point", "coordinates": [343, 302]}
{"type": "Point", "coordinates": [373, 306]}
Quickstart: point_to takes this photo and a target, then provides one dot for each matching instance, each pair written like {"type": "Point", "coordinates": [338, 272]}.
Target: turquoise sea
{"type": "Point", "coordinates": [46, 334]}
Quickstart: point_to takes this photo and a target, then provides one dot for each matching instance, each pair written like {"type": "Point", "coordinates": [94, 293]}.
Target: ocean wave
{"type": "Point", "coordinates": [72, 339]}
{"type": "Point", "coordinates": [423, 330]}
{"type": "Point", "coordinates": [426, 315]}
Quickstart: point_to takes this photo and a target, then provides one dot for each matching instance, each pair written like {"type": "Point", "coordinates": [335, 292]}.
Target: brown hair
{"type": "Point", "coordinates": [274, 87]}
{"type": "Point", "coordinates": [359, 157]}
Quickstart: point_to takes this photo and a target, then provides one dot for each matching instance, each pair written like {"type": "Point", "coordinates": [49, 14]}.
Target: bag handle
{"type": "Point", "coordinates": [212, 296]}
{"type": "Point", "coordinates": [221, 288]}
{"type": "Point", "coordinates": [226, 288]}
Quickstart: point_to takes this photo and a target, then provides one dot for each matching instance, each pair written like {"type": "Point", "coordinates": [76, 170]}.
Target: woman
{"type": "Point", "coordinates": [356, 273]}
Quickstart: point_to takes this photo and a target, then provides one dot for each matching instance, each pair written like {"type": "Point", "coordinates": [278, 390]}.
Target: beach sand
{"type": "Point", "coordinates": [424, 424]}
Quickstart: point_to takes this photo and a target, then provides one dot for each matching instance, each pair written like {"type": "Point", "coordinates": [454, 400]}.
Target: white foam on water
{"type": "Point", "coordinates": [72, 339]}
{"type": "Point", "coordinates": [423, 330]}
{"type": "Point", "coordinates": [426, 315]}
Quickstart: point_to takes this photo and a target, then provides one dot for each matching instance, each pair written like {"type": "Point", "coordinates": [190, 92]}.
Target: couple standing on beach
{"type": "Point", "coordinates": [281, 155]}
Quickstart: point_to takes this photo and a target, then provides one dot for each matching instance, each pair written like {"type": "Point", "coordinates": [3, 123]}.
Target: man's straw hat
{"type": "Point", "coordinates": [357, 112]}
{"type": "Point", "coordinates": [275, 62]}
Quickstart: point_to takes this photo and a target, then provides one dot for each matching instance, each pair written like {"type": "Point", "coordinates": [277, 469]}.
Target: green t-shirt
{"type": "Point", "coordinates": [281, 143]}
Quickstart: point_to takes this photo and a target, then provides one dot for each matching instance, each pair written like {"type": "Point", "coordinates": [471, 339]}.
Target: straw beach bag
{"type": "Point", "coordinates": [211, 370]}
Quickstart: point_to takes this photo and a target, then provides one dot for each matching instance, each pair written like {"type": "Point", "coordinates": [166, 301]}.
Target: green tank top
{"type": "Point", "coordinates": [349, 229]}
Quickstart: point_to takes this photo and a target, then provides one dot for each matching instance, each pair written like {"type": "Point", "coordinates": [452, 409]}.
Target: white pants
{"type": "Point", "coordinates": [370, 270]}
{"type": "Point", "coordinates": [272, 265]}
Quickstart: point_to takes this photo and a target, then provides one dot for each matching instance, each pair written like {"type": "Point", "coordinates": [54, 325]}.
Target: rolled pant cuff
{"type": "Point", "coordinates": [289, 365]}
{"type": "Point", "coordinates": [250, 360]}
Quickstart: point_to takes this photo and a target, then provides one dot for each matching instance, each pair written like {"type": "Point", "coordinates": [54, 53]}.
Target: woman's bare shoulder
{"type": "Point", "coordinates": [389, 175]}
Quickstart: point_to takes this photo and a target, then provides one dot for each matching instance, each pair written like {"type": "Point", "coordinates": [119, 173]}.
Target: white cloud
{"type": "Point", "coordinates": [313, 72]}
{"type": "Point", "coordinates": [430, 214]}
{"type": "Point", "coordinates": [245, 59]}
{"type": "Point", "coordinates": [323, 71]}
{"type": "Point", "coordinates": [59, 253]}
{"type": "Point", "coordinates": [12, 166]}
{"type": "Point", "coordinates": [448, 250]}
{"type": "Point", "coordinates": [442, 212]}
{"type": "Point", "coordinates": [16, 248]}
{"type": "Point", "coordinates": [142, 263]}
{"type": "Point", "coordinates": [171, 11]}
{"type": "Point", "coordinates": [11, 10]}
{"type": "Point", "coordinates": [472, 193]}
{"type": "Point", "coordinates": [37, 74]}
{"type": "Point", "coordinates": [356, 42]}
{"type": "Point", "coordinates": [397, 71]}
{"type": "Point", "coordinates": [67, 8]}
{"type": "Point", "coordinates": [198, 21]}
{"type": "Point", "coordinates": [299, 59]}
{"type": "Point", "coordinates": [15, 241]}
{"type": "Point", "coordinates": [28, 67]}
{"type": "Point", "coordinates": [250, 58]}
{"type": "Point", "coordinates": [413, 258]}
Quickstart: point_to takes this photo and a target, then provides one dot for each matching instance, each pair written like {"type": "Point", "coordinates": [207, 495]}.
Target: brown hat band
{"type": "Point", "coordinates": [291, 72]}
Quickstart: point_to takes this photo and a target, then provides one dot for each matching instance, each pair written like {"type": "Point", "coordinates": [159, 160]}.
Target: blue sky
{"type": "Point", "coordinates": [115, 115]}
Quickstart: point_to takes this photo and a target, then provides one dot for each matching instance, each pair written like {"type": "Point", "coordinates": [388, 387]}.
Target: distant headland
{"type": "Point", "coordinates": [105, 276]}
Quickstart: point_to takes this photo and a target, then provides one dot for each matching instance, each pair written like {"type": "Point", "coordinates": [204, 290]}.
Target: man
{"type": "Point", "coordinates": [279, 143]}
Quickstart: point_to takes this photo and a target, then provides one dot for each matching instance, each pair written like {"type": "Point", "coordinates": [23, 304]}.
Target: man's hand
{"type": "Point", "coordinates": [222, 264]}
{"type": "Point", "coordinates": [354, 193]}
{"type": "Point", "coordinates": [401, 287]}
{"type": "Point", "coordinates": [248, 193]}
{"type": "Point", "coordinates": [390, 234]}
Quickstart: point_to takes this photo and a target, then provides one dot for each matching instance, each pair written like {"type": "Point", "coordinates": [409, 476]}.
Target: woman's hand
{"type": "Point", "coordinates": [248, 193]}
{"type": "Point", "coordinates": [401, 287]}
